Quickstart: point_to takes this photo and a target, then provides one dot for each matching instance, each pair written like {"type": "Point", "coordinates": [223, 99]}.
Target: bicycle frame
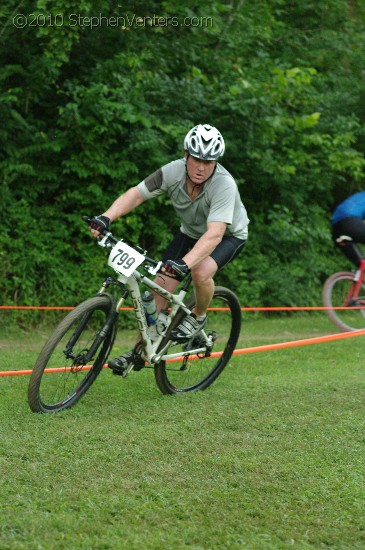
{"type": "Point", "coordinates": [132, 284]}
{"type": "Point", "coordinates": [84, 338]}
{"type": "Point", "coordinates": [358, 280]}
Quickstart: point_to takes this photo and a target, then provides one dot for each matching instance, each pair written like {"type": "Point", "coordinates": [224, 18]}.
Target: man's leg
{"type": "Point", "coordinates": [203, 275]}
{"type": "Point", "coordinates": [169, 284]}
{"type": "Point", "coordinates": [204, 289]}
{"type": "Point", "coordinates": [346, 234]}
{"type": "Point", "coordinates": [178, 247]}
{"type": "Point", "coordinates": [204, 285]}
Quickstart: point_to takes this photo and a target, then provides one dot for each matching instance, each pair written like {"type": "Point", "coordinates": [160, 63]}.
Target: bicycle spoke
{"type": "Point", "coordinates": [348, 311]}
{"type": "Point", "coordinates": [71, 359]}
{"type": "Point", "coordinates": [198, 371]}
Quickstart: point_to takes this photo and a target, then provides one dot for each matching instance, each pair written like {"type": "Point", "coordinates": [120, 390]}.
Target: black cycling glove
{"type": "Point", "coordinates": [177, 269]}
{"type": "Point", "coordinates": [100, 223]}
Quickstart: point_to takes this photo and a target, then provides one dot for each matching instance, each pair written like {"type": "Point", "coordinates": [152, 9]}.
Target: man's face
{"type": "Point", "coordinates": [199, 170]}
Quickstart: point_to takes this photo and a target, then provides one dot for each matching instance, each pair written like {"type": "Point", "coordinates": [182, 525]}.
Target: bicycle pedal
{"type": "Point", "coordinates": [138, 364]}
{"type": "Point", "coordinates": [118, 372]}
{"type": "Point", "coordinates": [127, 371]}
{"type": "Point", "coordinates": [138, 361]}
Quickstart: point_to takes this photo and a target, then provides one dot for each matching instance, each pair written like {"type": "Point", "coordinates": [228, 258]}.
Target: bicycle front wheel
{"type": "Point", "coordinates": [338, 292]}
{"type": "Point", "coordinates": [194, 373]}
{"type": "Point", "coordinates": [74, 355]}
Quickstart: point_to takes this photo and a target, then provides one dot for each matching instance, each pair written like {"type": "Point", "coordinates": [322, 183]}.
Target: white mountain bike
{"type": "Point", "coordinates": [78, 349]}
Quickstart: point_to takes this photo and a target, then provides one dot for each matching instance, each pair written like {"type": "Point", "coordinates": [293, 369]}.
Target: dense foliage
{"type": "Point", "coordinates": [94, 96]}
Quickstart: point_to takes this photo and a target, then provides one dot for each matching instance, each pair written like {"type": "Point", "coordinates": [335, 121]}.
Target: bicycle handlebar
{"type": "Point", "coordinates": [113, 240]}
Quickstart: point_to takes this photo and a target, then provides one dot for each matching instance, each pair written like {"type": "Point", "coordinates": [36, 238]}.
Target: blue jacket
{"type": "Point", "coordinates": [353, 206]}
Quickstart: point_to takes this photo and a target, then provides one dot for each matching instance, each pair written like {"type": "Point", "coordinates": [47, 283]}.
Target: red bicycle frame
{"type": "Point", "coordinates": [354, 291]}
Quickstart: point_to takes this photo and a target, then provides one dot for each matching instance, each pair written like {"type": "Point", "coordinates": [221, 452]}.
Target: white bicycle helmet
{"type": "Point", "coordinates": [204, 142]}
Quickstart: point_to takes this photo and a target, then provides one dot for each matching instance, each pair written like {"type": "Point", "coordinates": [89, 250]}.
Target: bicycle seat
{"type": "Point", "coordinates": [344, 239]}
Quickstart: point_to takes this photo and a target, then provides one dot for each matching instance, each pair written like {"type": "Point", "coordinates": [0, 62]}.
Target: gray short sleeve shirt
{"type": "Point", "coordinates": [219, 200]}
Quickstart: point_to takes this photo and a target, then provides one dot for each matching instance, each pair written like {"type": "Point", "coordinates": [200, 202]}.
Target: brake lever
{"type": "Point", "coordinates": [103, 241]}
{"type": "Point", "coordinates": [153, 270]}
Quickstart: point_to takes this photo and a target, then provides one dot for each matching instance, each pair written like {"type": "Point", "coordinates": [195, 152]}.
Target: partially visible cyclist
{"type": "Point", "coordinates": [348, 226]}
{"type": "Point", "coordinates": [213, 226]}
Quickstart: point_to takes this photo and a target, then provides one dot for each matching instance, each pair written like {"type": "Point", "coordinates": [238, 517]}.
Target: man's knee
{"type": "Point", "coordinates": [200, 280]}
{"type": "Point", "coordinates": [204, 272]}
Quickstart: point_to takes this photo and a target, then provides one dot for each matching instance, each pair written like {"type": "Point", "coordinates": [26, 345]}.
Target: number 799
{"type": "Point", "coordinates": [124, 260]}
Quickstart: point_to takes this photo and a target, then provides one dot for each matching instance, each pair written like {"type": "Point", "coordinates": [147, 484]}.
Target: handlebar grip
{"type": "Point", "coordinates": [101, 230]}
{"type": "Point", "coordinates": [107, 233]}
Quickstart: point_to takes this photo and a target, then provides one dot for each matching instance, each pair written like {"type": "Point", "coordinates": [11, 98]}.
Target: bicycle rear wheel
{"type": "Point", "coordinates": [197, 373]}
{"type": "Point", "coordinates": [74, 355]}
{"type": "Point", "coordinates": [338, 291]}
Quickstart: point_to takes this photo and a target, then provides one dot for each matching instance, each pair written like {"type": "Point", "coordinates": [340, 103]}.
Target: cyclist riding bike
{"type": "Point", "coordinates": [213, 226]}
{"type": "Point", "coordinates": [348, 227]}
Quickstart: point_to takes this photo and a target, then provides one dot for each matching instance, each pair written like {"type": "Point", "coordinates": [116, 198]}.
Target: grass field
{"type": "Point", "coordinates": [271, 456]}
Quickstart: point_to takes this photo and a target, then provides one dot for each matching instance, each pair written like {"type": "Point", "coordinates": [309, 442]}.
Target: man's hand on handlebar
{"type": "Point", "coordinates": [99, 224]}
{"type": "Point", "coordinates": [177, 269]}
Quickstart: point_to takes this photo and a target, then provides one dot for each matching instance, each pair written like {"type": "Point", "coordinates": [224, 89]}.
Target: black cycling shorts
{"type": "Point", "coordinates": [225, 252]}
{"type": "Point", "coordinates": [353, 228]}
{"type": "Point", "coordinates": [350, 227]}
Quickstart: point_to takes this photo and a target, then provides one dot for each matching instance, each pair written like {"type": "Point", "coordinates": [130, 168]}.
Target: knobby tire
{"type": "Point", "coordinates": [91, 323]}
{"type": "Point", "coordinates": [199, 373]}
{"type": "Point", "coordinates": [338, 292]}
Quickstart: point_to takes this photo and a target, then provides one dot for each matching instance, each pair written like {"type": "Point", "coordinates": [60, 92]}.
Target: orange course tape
{"type": "Point", "coordinates": [255, 349]}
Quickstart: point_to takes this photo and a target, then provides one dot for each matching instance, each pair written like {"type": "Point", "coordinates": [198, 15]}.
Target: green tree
{"type": "Point", "coordinates": [94, 96]}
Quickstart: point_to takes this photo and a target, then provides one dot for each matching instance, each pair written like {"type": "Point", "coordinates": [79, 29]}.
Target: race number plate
{"type": "Point", "coordinates": [124, 259]}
